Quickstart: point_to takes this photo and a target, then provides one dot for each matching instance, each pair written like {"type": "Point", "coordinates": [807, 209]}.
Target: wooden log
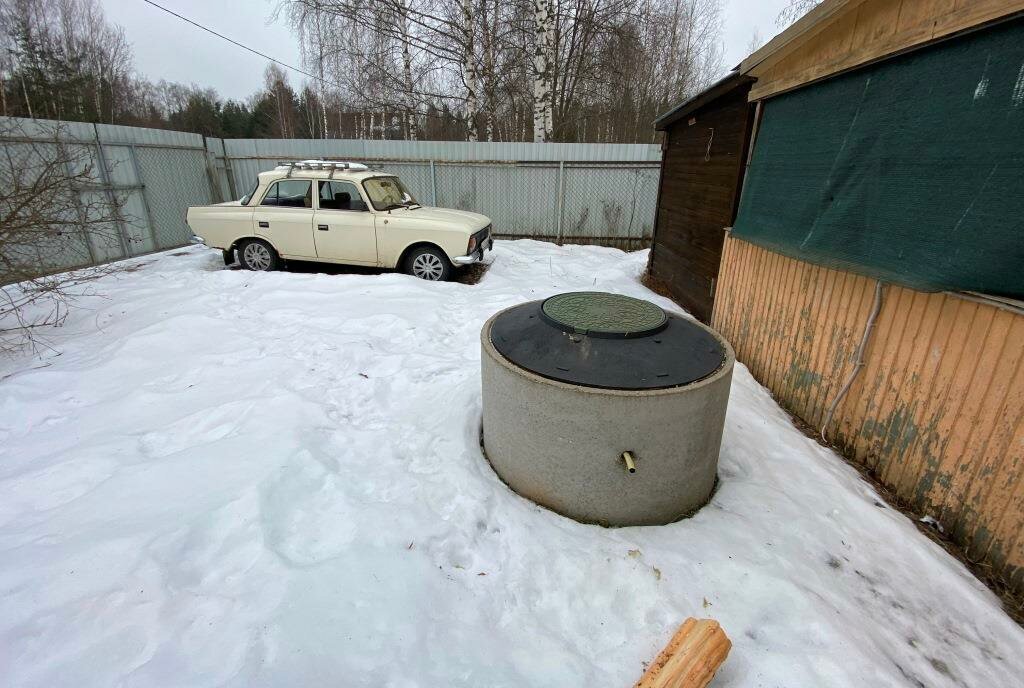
{"type": "Point", "coordinates": [691, 658]}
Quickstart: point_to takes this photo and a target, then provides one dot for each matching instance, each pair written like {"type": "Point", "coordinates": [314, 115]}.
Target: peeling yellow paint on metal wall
{"type": "Point", "coordinates": [937, 412]}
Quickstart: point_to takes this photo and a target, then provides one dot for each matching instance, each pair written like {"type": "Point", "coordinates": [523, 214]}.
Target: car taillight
{"type": "Point", "coordinates": [472, 244]}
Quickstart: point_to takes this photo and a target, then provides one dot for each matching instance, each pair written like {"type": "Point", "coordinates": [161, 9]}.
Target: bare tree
{"type": "Point", "coordinates": [755, 42]}
{"type": "Point", "coordinates": [516, 70]}
{"type": "Point", "coordinates": [54, 212]}
{"type": "Point", "coordinates": [69, 62]}
{"type": "Point", "coordinates": [794, 10]}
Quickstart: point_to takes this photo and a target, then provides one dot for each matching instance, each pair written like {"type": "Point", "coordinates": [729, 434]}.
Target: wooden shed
{"type": "Point", "coordinates": [872, 273]}
{"type": "Point", "coordinates": [703, 154]}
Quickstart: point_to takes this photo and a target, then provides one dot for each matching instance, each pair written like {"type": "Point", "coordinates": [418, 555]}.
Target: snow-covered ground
{"type": "Point", "coordinates": [248, 479]}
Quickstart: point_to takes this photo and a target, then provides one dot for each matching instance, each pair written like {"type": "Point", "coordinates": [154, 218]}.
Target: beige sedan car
{"type": "Point", "coordinates": [340, 212]}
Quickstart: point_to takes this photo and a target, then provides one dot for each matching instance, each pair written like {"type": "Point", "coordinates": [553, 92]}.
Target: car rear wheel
{"type": "Point", "coordinates": [429, 263]}
{"type": "Point", "coordinates": [257, 255]}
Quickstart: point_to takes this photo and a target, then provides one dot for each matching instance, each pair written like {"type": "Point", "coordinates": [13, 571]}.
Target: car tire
{"type": "Point", "coordinates": [428, 263]}
{"type": "Point", "coordinates": [257, 255]}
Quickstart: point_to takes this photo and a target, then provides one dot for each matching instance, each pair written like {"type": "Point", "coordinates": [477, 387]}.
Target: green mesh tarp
{"type": "Point", "coordinates": [910, 170]}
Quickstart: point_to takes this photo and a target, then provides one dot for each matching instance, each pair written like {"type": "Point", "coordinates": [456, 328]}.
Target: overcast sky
{"type": "Point", "coordinates": [168, 48]}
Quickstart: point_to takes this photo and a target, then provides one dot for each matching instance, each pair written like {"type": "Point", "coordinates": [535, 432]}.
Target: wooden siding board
{"type": "Point", "coordinates": [732, 280]}
{"type": "Point", "coordinates": [797, 304]}
{"type": "Point", "coordinates": [835, 352]}
{"type": "Point", "coordinates": [812, 332]}
{"type": "Point", "coordinates": [857, 36]}
{"type": "Point", "coordinates": [724, 278]}
{"type": "Point", "coordinates": [990, 478]}
{"type": "Point", "coordinates": [791, 377]}
{"type": "Point", "coordinates": [876, 20]}
{"type": "Point", "coordinates": [832, 287]}
{"type": "Point", "coordinates": [984, 394]}
{"type": "Point", "coordinates": [777, 336]}
{"type": "Point", "coordinates": [910, 386]}
{"type": "Point", "coordinates": [697, 198]}
{"type": "Point", "coordinates": [839, 360]}
{"type": "Point", "coordinates": [877, 380]}
{"type": "Point", "coordinates": [920, 448]}
{"type": "Point", "coordinates": [676, 257]}
{"type": "Point", "coordinates": [764, 314]}
{"type": "Point", "coordinates": [942, 404]}
{"type": "Point", "coordinates": [750, 335]}
{"type": "Point", "coordinates": [962, 402]}
{"type": "Point", "coordinates": [941, 396]}
{"type": "Point", "coordinates": [876, 375]}
{"type": "Point", "coordinates": [846, 419]}
{"type": "Point", "coordinates": [797, 299]}
{"type": "Point", "coordinates": [990, 543]}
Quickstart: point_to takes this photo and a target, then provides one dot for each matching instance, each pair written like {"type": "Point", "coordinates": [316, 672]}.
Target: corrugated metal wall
{"type": "Point", "coordinates": [937, 412]}
{"type": "Point", "coordinates": [156, 174]}
{"type": "Point", "coordinates": [574, 192]}
{"type": "Point", "coordinates": [570, 192]}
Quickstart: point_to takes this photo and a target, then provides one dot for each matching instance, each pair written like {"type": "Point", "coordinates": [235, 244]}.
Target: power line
{"type": "Point", "coordinates": [240, 45]}
{"type": "Point", "coordinates": [264, 55]}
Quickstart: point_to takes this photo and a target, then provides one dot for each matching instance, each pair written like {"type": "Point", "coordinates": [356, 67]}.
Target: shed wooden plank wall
{"type": "Point", "coordinates": [698, 196]}
{"type": "Point", "coordinates": [866, 30]}
{"type": "Point", "coordinates": [936, 414]}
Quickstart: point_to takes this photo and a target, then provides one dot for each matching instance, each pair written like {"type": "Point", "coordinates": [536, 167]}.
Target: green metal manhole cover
{"type": "Point", "coordinates": [600, 314]}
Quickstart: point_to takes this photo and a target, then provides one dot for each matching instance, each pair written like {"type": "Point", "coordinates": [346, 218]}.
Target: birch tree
{"type": "Point", "coordinates": [505, 70]}
{"type": "Point", "coordinates": [543, 69]}
{"type": "Point", "coordinates": [469, 67]}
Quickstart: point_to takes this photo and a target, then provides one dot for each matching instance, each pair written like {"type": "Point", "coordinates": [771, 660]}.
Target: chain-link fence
{"type": "Point", "coordinates": [145, 178]}
{"type": "Point", "coordinates": [570, 193]}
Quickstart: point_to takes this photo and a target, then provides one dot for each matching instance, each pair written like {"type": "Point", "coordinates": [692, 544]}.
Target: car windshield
{"type": "Point", "coordinates": [388, 192]}
{"type": "Point", "coordinates": [246, 197]}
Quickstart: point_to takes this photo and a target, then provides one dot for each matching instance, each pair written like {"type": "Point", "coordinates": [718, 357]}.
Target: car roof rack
{"type": "Point", "coordinates": [332, 165]}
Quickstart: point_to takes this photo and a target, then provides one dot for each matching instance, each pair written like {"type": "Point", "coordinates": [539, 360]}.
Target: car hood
{"type": "Point", "coordinates": [447, 217]}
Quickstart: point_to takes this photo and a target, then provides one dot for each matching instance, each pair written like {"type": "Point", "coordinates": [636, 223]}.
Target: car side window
{"type": "Point", "coordinates": [290, 193]}
{"type": "Point", "coordinates": [336, 195]}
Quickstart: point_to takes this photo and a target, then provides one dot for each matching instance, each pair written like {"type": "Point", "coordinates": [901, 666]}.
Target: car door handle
{"type": "Point", "coordinates": [264, 224]}
{"type": "Point", "coordinates": [322, 228]}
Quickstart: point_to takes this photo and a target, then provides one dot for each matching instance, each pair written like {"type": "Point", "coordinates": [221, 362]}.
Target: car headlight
{"type": "Point", "coordinates": [472, 244]}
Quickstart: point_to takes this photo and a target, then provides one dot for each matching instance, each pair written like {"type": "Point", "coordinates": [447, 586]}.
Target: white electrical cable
{"type": "Point", "coordinates": [859, 363]}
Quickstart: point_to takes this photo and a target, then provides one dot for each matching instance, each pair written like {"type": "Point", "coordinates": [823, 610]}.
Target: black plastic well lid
{"type": "Point", "coordinates": [596, 339]}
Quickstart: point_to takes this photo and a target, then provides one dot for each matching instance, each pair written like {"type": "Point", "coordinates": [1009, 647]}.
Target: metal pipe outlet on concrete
{"type": "Point", "coordinates": [604, 408]}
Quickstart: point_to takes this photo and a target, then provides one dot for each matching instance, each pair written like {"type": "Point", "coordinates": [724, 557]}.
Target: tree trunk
{"type": "Point", "coordinates": [410, 97]}
{"type": "Point", "coordinates": [543, 81]}
{"type": "Point", "coordinates": [469, 74]}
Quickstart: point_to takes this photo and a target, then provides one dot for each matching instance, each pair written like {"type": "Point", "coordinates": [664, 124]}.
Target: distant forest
{"type": "Point", "coordinates": [464, 70]}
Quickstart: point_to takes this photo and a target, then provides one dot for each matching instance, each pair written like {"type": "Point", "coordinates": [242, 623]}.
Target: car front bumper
{"type": "Point", "coordinates": [477, 255]}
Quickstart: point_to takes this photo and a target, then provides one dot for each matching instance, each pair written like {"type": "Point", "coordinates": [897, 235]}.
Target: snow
{"type": "Point", "coordinates": [245, 479]}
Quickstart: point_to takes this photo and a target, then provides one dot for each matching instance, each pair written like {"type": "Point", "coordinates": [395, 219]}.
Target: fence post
{"type": "Point", "coordinates": [216, 193]}
{"type": "Point", "coordinates": [229, 172]}
{"type": "Point", "coordinates": [433, 184]}
{"type": "Point", "coordinates": [560, 202]}
{"type": "Point", "coordinates": [122, 232]}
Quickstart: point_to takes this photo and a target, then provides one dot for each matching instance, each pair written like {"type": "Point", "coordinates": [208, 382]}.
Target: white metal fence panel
{"type": "Point", "coordinates": [174, 178]}
{"type": "Point", "coordinates": [569, 192]}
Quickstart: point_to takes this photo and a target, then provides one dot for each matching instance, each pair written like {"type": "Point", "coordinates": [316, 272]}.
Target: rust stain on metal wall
{"type": "Point", "coordinates": [937, 412]}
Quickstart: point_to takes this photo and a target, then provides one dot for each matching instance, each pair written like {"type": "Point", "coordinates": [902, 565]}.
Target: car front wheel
{"type": "Point", "coordinates": [428, 263]}
{"type": "Point", "coordinates": [257, 255]}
